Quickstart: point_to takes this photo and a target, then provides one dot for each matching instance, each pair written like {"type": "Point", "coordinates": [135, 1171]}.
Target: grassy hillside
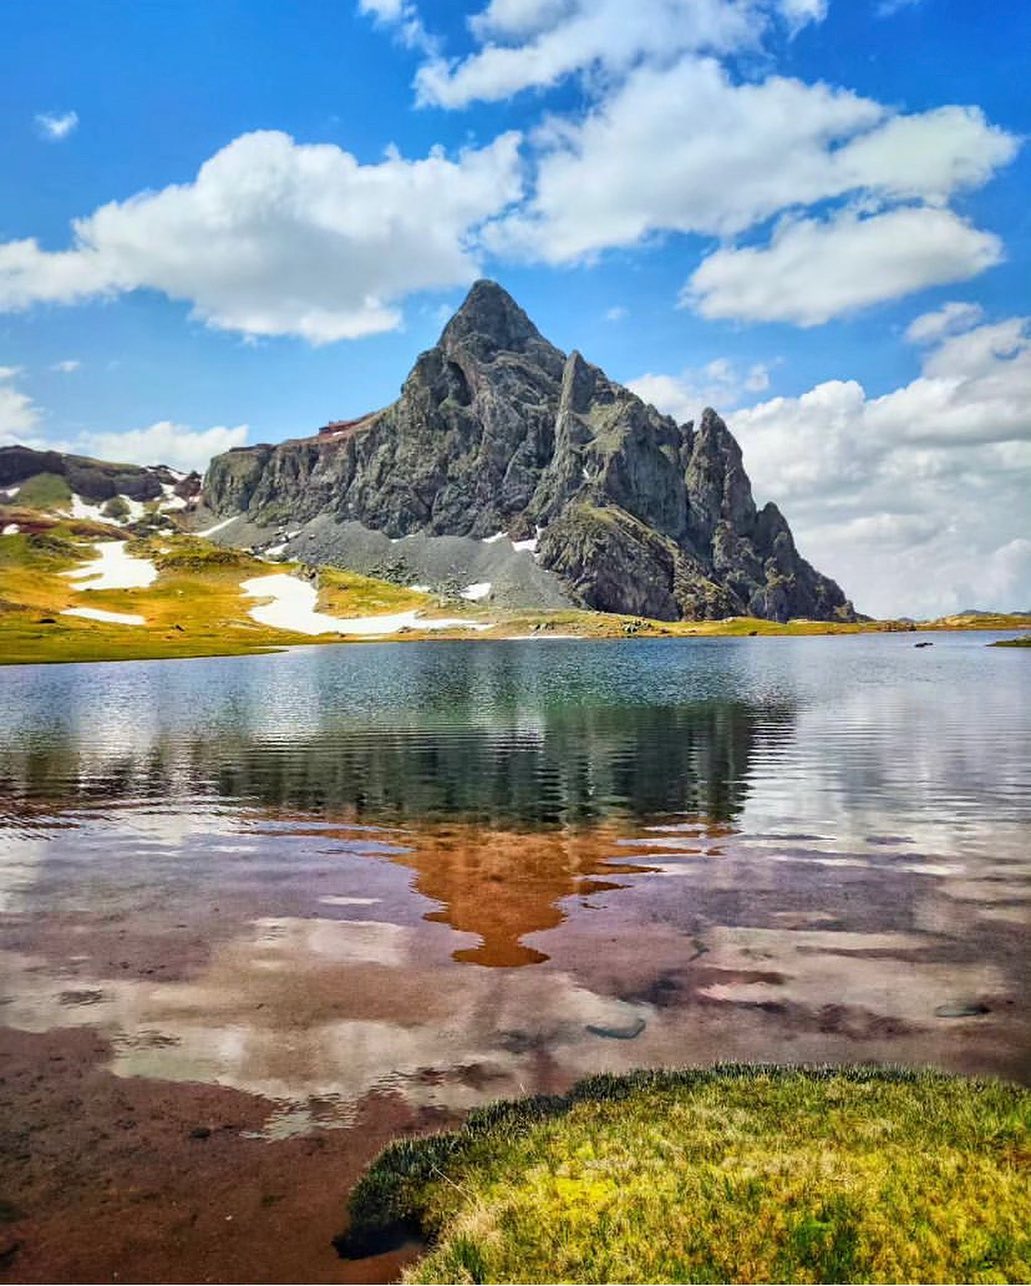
{"type": "Point", "coordinates": [189, 612]}
{"type": "Point", "coordinates": [343, 593]}
{"type": "Point", "coordinates": [196, 607]}
{"type": "Point", "coordinates": [734, 1174]}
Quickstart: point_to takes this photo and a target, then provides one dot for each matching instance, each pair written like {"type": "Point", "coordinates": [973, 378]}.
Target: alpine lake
{"type": "Point", "coordinates": [261, 915]}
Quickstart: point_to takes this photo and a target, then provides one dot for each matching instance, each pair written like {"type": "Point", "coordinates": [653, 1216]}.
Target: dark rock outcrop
{"type": "Point", "coordinates": [498, 430]}
{"type": "Point", "coordinates": [95, 480]}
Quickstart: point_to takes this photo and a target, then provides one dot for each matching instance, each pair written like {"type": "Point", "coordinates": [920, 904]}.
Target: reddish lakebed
{"type": "Point", "coordinates": [260, 916]}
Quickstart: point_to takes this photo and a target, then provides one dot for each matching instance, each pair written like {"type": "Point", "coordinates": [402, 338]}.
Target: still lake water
{"type": "Point", "coordinates": [465, 870]}
{"type": "Point", "coordinates": [336, 893]}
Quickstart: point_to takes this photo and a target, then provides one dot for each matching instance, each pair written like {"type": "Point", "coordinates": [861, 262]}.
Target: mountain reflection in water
{"type": "Point", "coordinates": [455, 871]}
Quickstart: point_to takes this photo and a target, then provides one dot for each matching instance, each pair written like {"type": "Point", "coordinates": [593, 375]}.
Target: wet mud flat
{"type": "Point", "coordinates": [200, 1052]}
{"type": "Point", "coordinates": [108, 1179]}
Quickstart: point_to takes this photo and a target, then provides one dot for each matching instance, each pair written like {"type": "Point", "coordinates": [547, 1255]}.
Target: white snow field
{"type": "Point", "coordinates": [114, 569]}
{"type": "Point", "coordinates": [292, 607]}
{"type": "Point", "coordinates": [110, 618]}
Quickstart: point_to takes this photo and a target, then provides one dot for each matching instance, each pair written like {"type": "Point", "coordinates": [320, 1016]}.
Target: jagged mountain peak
{"type": "Point", "coordinates": [490, 321]}
{"type": "Point", "coordinates": [498, 432]}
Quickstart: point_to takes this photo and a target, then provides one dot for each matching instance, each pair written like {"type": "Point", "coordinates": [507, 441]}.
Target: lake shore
{"type": "Point", "coordinates": [71, 641]}
{"type": "Point", "coordinates": [73, 593]}
{"type": "Point", "coordinates": [733, 1173]}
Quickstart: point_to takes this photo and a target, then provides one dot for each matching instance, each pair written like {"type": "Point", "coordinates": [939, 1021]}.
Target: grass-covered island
{"type": "Point", "coordinates": [730, 1174]}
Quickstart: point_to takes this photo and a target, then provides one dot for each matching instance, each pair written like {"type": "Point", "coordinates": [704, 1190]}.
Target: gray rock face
{"type": "Point", "coordinates": [94, 480]}
{"type": "Point", "coordinates": [497, 430]}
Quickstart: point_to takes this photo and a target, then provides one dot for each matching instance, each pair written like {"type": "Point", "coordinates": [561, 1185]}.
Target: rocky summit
{"type": "Point", "coordinates": [497, 433]}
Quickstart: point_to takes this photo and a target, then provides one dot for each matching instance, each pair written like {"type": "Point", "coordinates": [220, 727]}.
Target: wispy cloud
{"type": "Point", "coordinates": [55, 126]}
{"type": "Point", "coordinates": [887, 8]}
{"type": "Point", "coordinates": [403, 17]}
{"type": "Point", "coordinates": [67, 366]}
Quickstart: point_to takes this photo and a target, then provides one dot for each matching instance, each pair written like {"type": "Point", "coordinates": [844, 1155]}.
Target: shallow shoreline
{"type": "Point", "coordinates": [604, 632]}
{"type": "Point", "coordinates": [744, 1172]}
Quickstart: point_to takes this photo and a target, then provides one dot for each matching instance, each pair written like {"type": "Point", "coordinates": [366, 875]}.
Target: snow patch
{"type": "Point", "coordinates": [293, 608]}
{"type": "Point", "coordinates": [525, 546]}
{"type": "Point", "coordinates": [97, 614]}
{"type": "Point", "coordinates": [171, 500]}
{"type": "Point", "coordinates": [83, 509]}
{"type": "Point", "coordinates": [492, 540]}
{"type": "Point", "coordinates": [11, 492]}
{"type": "Point", "coordinates": [95, 513]}
{"type": "Point", "coordinates": [114, 569]}
{"type": "Point", "coordinates": [475, 592]}
{"type": "Point", "coordinates": [11, 529]}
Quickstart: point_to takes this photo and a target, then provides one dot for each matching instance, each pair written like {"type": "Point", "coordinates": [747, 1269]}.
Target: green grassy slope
{"type": "Point", "coordinates": [196, 608]}
{"type": "Point", "coordinates": [44, 491]}
{"type": "Point", "coordinates": [733, 1174]}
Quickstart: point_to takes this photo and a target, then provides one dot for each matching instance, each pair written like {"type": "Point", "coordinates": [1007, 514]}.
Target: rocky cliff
{"type": "Point", "coordinates": [496, 430]}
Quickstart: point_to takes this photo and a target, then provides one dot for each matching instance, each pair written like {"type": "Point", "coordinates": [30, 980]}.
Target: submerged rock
{"type": "Point", "coordinates": [961, 1009]}
{"type": "Point", "coordinates": [625, 1031]}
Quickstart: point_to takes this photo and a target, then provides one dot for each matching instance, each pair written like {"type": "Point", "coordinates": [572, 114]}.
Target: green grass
{"type": "Point", "coordinates": [1023, 642]}
{"type": "Point", "coordinates": [343, 593]}
{"type": "Point", "coordinates": [730, 1174]}
{"type": "Point", "coordinates": [196, 608]}
{"type": "Point", "coordinates": [44, 491]}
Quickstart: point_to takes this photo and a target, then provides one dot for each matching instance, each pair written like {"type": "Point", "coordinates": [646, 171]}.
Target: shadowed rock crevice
{"type": "Point", "coordinates": [497, 430]}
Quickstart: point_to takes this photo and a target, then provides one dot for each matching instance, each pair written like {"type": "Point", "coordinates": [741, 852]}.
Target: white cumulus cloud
{"type": "Point", "coordinates": [950, 319]}
{"type": "Point", "coordinates": [800, 13]}
{"type": "Point", "coordinates": [19, 415]}
{"type": "Point", "coordinates": [403, 17]}
{"type": "Point", "coordinates": [816, 269]}
{"type": "Point", "coordinates": [533, 44]}
{"type": "Point", "coordinates": [176, 445]}
{"type": "Point", "coordinates": [917, 500]}
{"type": "Point", "coordinates": [720, 383]}
{"type": "Point", "coordinates": [537, 44]}
{"type": "Point", "coordinates": [684, 148]}
{"type": "Point", "coordinates": [274, 237]}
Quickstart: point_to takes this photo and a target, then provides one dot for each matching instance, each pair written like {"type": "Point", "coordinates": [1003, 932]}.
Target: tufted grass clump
{"type": "Point", "coordinates": [192, 554]}
{"type": "Point", "coordinates": [44, 491]}
{"type": "Point", "coordinates": [731, 1174]}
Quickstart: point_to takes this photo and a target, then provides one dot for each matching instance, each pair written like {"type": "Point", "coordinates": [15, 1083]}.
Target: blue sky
{"type": "Point", "coordinates": [743, 202]}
